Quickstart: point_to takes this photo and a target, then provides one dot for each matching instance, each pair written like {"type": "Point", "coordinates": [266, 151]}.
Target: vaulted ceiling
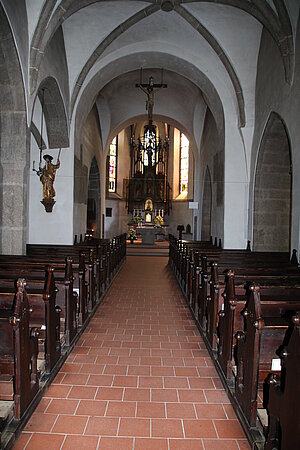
{"type": "Point", "coordinates": [208, 50]}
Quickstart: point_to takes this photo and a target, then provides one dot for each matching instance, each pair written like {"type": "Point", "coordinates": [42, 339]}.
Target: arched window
{"type": "Point", "coordinates": [149, 146]}
{"type": "Point", "coordinates": [112, 165]}
{"type": "Point", "coordinates": [184, 165]}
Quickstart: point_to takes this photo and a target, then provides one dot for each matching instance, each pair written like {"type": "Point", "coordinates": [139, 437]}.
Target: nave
{"type": "Point", "coordinates": [139, 377]}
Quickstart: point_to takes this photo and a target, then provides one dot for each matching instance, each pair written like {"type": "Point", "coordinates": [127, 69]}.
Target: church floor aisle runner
{"type": "Point", "coordinates": [139, 378]}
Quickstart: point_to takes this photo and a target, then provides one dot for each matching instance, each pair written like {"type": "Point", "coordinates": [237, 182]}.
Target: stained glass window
{"type": "Point", "coordinates": [184, 164]}
{"type": "Point", "coordinates": [149, 145]}
{"type": "Point", "coordinates": [112, 165]}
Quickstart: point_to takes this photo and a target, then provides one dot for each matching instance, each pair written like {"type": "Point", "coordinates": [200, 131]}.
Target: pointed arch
{"type": "Point", "coordinates": [273, 189]}
{"type": "Point", "coordinates": [55, 113]}
{"type": "Point", "coordinates": [206, 207]}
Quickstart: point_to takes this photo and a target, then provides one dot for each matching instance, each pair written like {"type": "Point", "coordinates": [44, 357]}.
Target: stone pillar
{"type": "Point", "coordinates": [14, 159]}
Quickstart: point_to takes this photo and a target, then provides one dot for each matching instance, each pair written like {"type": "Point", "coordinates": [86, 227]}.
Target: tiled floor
{"type": "Point", "coordinates": [139, 378]}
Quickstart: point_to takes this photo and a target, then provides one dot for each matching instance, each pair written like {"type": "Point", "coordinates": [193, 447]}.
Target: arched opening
{"type": "Point", "coordinates": [272, 190]}
{"type": "Point", "coordinates": [93, 221]}
{"type": "Point", "coordinates": [206, 207]}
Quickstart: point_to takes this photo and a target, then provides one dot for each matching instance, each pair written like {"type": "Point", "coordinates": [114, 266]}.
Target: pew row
{"type": "Point", "coordinates": [56, 314]}
{"type": "Point", "coordinates": [218, 284]}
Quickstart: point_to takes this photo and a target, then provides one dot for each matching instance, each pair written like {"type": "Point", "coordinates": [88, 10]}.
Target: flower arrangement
{"type": "Point", "coordinates": [138, 219]}
{"type": "Point", "coordinates": [131, 234]}
{"type": "Point", "coordinates": [158, 221]}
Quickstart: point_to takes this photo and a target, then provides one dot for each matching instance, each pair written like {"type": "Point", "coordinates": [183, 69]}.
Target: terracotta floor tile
{"type": "Point", "coordinates": [138, 370]}
{"type": "Point", "coordinates": [58, 391]}
{"type": "Point", "coordinates": [229, 429]}
{"type": "Point", "coordinates": [121, 409]}
{"type": "Point", "coordinates": [206, 372]}
{"type": "Point", "coordinates": [180, 411]}
{"type": "Point", "coordinates": [115, 369]}
{"type": "Point", "coordinates": [191, 395]}
{"type": "Point", "coordinates": [100, 380]}
{"type": "Point", "coordinates": [210, 411]}
{"type": "Point", "coordinates": [22, 441]}
{"type": "Point", "coordinates": [58, 378]}
{"type": "Point", "coordinates": [85, 359]}
{"type": "Point", "coordinates": [220, 444]}
{"type": "Point", "coordinates": [96, 369]}
{"type": "Point", "coordinates": [186, 372]}
{"type": "Point", "coordinates": [82, 392]}
{"type": "Point", "coordinates": [164, 395]}
{"type": "Point", "coordinates": [125, 381]}
{"type": "Point", "coordinates": [137, 394]}
{"type": "Point", "coordinates": [185, 444]}
{"type": "Point", "coordinates": [70, 424]}
{"type": "Point", "coordinates": [80, 442]}
{"type": "Point", "coordinates": [151, 444]}
{"type": "Point", "coordinates": [109, 393]}
{"type": "Point", "coordinates": [119, 352]}
{"type": "Point", "coordinates": [161, 353]}
{"type": "Point", "coordinates": [103, 359]}
{"type": "Point", "coordinates": [166, 428]}
{"type": "Point", "coordinates": [115, 443]}
{"type": "Point", "coordinates": [229, 411]}
{"type": "Point", "coordinates": [71, 368]}
{"type": "Point", "coordinates": [62, 406]}
{"type": "Point", "coordinates": [216, 396]}
{"type": "Point", "coordinates": [40, 422]}
{"type": "Point", "coordinates": [102, 426]}
{"type": "Point", "coordinates": [41, 440]}
{"type": "Point", "coordinates": [91, 408]}
{"type": "Point", "coordinates": [243, 444]}
{"type": "Point", "coordinates": [141, 352]}
{"type": "Point", "coordinates": [129, 360]}
{"type": "Point", "coordinates": [176, 382]}
{"type": "Point", "coordinates": [151, 409]}
{"type": "Point", "coordinates": [162, 371]}
{"type": "Point", "coordinates": [150, 382]}
{"type": "Point", "coordinates": [134, 427]}
{"type": "Point", "coordinates": [43, 405]}
{"type": "Point", "coordinates": [201, 383]}
{"type": "Point", "coordinates": [178, 362]}
{"type": "Point", "coordinates": [199, 428]}
{"type": "Point", "coordinates": [74, 378]}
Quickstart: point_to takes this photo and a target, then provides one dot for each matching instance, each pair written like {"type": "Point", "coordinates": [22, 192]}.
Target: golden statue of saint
{"type": "Point", "coordinates": [47, 176]}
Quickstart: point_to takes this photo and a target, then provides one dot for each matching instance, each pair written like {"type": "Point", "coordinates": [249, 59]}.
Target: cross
{"type": "Point", "coordinates": [149, 90]}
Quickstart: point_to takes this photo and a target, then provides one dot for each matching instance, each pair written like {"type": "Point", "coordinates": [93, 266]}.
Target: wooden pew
{"type": "Point", "coordinates": [266, 322]}
{"type": "Point", "coordinates": [282, 395]}
{"type": "Point", "coordinates": [45, 314]}
{"type": "Point", "coordinates": [65, 297]}
{"type": "Point", "coordinates": [231, 303]}
{"type": "Point", "coordinates": [19, 350]}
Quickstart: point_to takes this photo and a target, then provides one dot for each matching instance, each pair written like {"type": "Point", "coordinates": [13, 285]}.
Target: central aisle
{"type": "Point", "coordinates": [139, 377]}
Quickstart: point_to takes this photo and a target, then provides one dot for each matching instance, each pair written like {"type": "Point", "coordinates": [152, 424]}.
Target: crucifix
{"type": "Point", "coordinates": [150, 88]}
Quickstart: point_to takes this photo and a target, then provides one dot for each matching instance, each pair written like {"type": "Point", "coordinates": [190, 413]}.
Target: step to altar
{"type": "Point", "coordinates": [138, 249]}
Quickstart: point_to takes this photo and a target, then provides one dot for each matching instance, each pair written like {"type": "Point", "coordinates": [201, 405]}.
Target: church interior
{"type": "Point", "coordinates": [149, 224]}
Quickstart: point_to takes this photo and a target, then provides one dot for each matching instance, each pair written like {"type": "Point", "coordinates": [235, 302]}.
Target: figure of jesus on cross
{"type": "Point", "coordinates": [149, 90]}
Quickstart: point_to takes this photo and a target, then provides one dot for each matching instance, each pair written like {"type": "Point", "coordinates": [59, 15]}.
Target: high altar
{"type": "Point", "coordinates": [148, 191]}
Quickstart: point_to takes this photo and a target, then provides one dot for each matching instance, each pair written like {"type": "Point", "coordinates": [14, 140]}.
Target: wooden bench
{"type": "Point", "coordinates": [282, 394]}
{"type": "Point", "coordinates": [230, 304]}
{"type": "Point", "coordinates": [267, 319]}
{"type": "Point", "coordinates": [19, 350]}
{"type": "Point", "coordinates": [45, 314]}
{"type": "Point", "coordinates": [66, 299]}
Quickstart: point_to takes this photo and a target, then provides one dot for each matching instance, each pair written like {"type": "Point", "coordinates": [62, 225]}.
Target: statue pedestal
{"type": "Point", "coordinates": [148, 235]}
